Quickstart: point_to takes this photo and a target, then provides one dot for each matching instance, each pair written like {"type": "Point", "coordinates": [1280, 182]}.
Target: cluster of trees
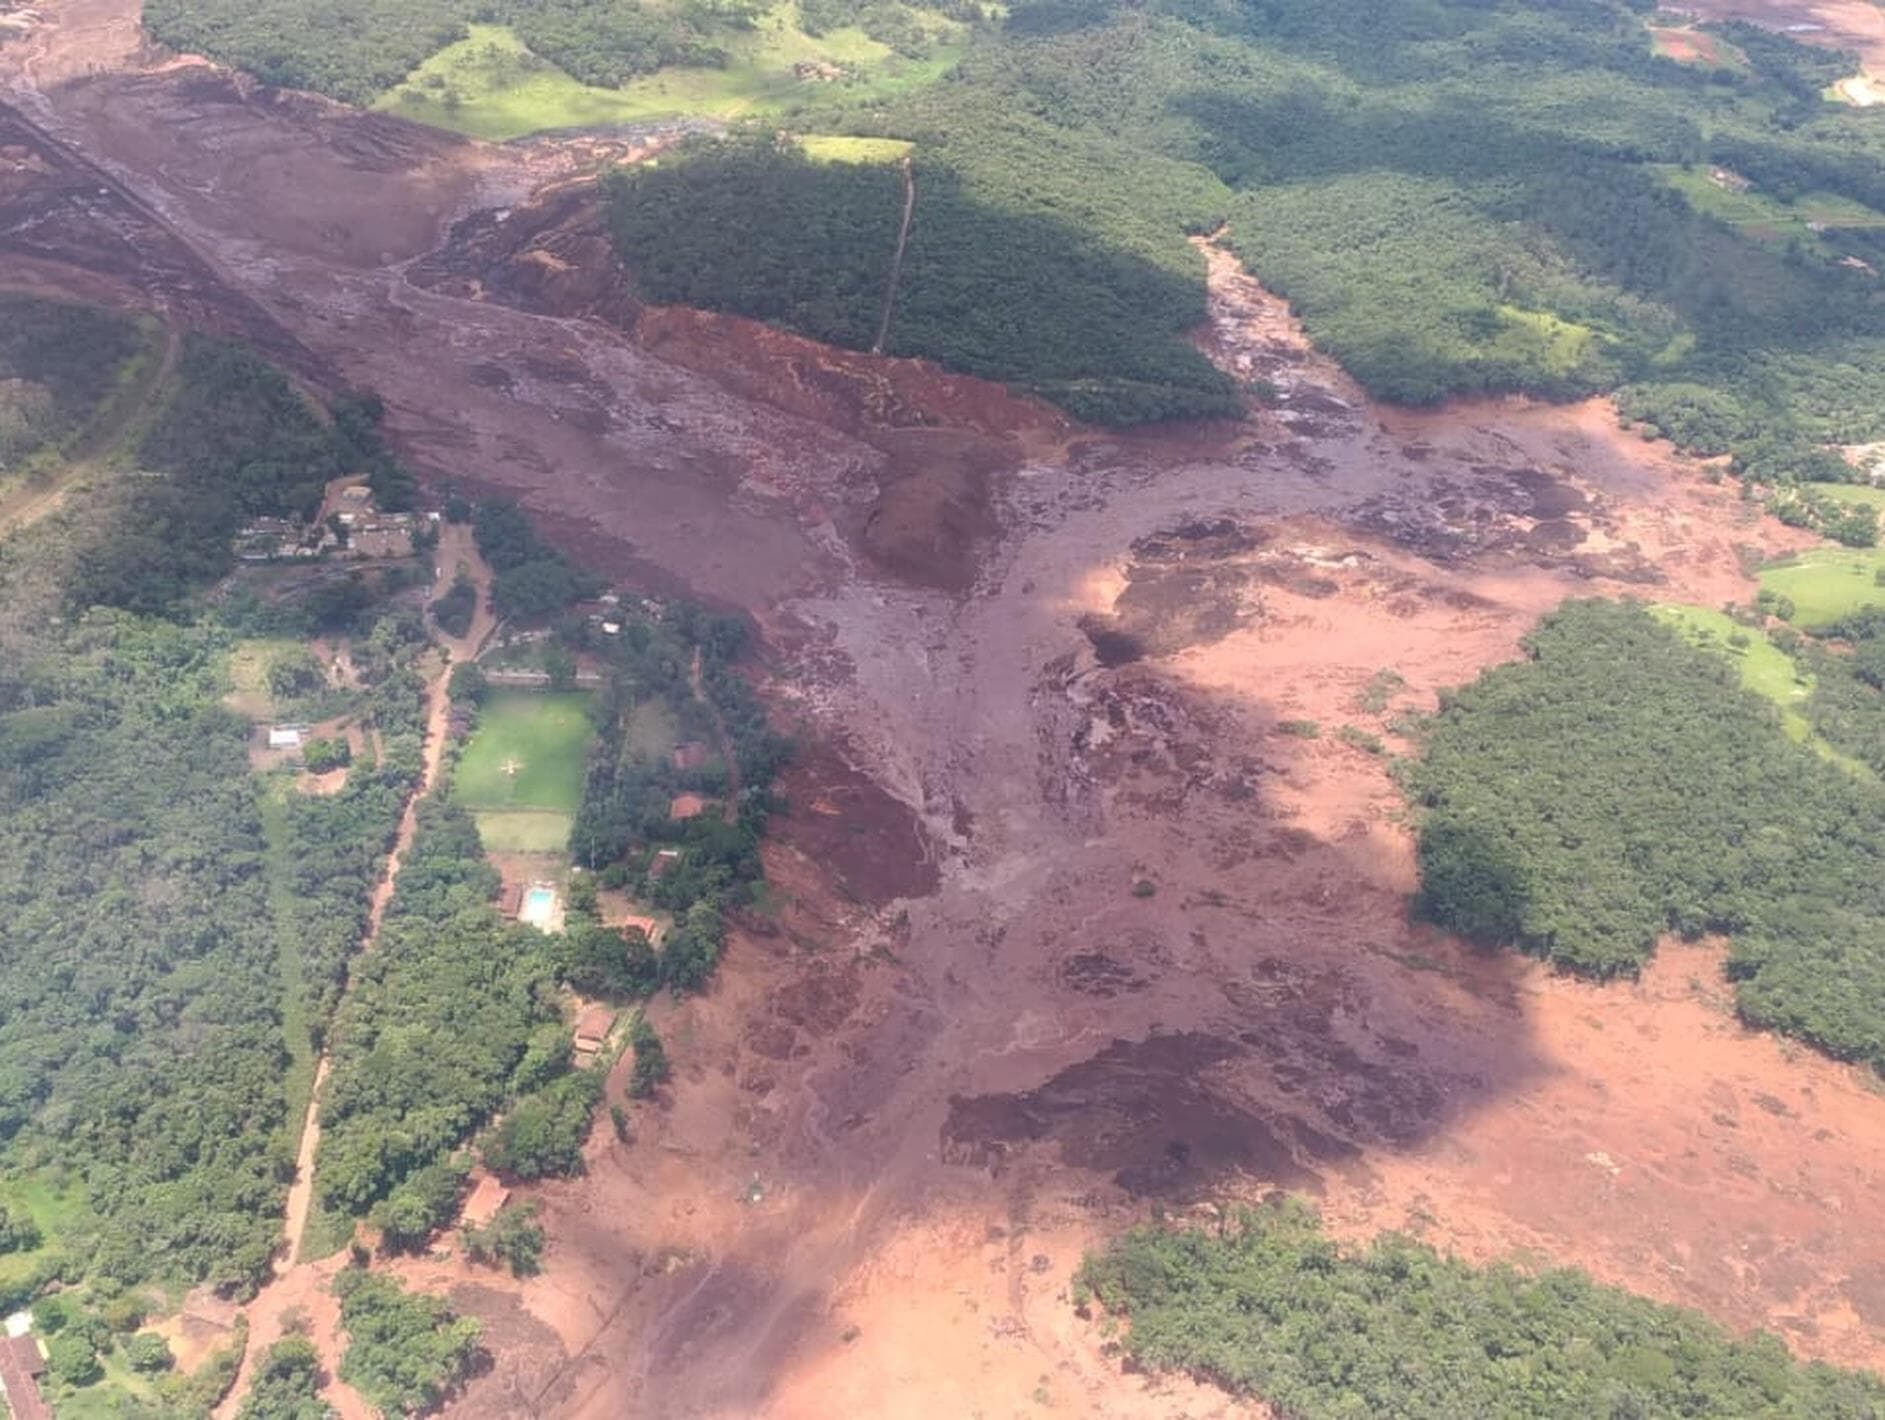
{"type": "Point", "coordinates": [286, 1384]}
{"type": "Point", "coordinates": [993, 283]}
{"type": "Point", "coordinates": [347, 49]}
{"type": "Point", "coordinates": [234, 440]}
{"type": "Point", "coordinates": [452, 1015]}
{"type": "Point", "coordinates": [406, 1351]}
{"type": "Point", "coordinates": [609, 42]}
{"type": "Point", "coordinates": [454, 608]}
{"type": "Point", "coordinates": [1271, 1307]}
{"type": "Point", "coordinates": [513, 1238]}
{"type": "Point", "coordinates": [623, 823]}
{"type": "Point", "coordinates": [1618, 784]}
{"type": "Point", "coordinates": [531, 580]}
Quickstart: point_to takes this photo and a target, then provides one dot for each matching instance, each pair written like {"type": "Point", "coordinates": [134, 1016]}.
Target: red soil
{"type": "Point", "coordinates": [1032, 666]}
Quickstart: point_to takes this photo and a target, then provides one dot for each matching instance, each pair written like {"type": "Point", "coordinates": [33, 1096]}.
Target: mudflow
{"type": "Point", "coordinates": [1032, 666]}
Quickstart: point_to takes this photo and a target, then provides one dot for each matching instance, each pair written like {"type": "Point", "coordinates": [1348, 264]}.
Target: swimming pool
{"type": "Point", "coordinates": [539, 906]}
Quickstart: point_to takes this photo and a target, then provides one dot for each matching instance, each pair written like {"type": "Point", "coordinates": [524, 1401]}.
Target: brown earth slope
{"type": "Point", "coordinates": [1033, 666]}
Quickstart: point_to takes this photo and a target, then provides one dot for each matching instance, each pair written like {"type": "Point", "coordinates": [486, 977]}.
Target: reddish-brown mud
{"type": "Point", "coordinates": [1033, 666]}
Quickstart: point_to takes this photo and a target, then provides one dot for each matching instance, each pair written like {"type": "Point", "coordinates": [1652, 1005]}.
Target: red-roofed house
{"type": "Point", "coordinates": [21, 1365]}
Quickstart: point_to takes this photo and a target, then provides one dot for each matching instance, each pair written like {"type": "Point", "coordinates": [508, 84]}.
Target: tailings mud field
{"type": "Point", "coordinates": [1066, 924]}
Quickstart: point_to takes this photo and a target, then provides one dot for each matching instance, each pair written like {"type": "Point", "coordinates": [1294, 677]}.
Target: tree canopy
{"type": "Point", "coordinates": [1272, 1308]}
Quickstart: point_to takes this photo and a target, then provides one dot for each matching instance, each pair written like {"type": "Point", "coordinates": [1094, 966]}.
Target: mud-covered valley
{"type": "Point", "coordinates": [1069, 925]}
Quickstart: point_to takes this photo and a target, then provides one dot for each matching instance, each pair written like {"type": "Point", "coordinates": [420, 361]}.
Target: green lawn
{"type": "Point", "coordinates": [527, 753]}
{"type": "Point", "coordinates": [525, 831]}
{"type": "Point", "coordinates": [490, 85]}
{"type": "Point", "coordinates": [1827, 583]}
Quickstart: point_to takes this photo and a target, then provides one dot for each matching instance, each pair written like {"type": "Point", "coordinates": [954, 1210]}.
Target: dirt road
{"type": "Point", "coordinates": [1031, 668]}
{"type": "Point", "coordinates": [300, 1284]}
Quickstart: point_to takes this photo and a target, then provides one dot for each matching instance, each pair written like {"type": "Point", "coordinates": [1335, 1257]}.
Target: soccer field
{"type": "Point", "coordinates": [527, 752]}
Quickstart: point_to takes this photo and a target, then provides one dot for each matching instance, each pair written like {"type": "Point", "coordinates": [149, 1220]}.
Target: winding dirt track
{"type": "Point", "coordinates": [1031, 666]}
{"type": "Point", "coordinates": [300, 1283]}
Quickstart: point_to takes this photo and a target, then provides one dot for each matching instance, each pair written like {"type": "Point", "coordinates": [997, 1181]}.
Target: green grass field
{"type": "Point", "coordinates": [525, 831]}
{"type": "Point", "coordinates": [1827, 583]}
{"type": "Point", "coordinates": [527, 753]}
{"type": "Point", "coordinates": [490, 85]}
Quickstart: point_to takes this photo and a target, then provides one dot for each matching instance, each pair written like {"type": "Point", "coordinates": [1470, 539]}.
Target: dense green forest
{"type": "Point", "coordinates": [355, 51]}
{"type": "Point", "coordinates": [987, 287]}
{"type": "Point", "coordinates": [176, 925]}
{"type": "Point", "coordinates": [1269, 1306]}
{"type": "Point", "coordinates": [1459, 197]}
{"type": "Point", "coordinates": [1619, 783]}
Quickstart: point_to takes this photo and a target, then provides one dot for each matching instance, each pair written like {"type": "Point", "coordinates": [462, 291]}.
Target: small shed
{"type": "Point", "coordinates": [690, 755]}
{"type": "Point", "coordinates": [686, 806]}
{"type": "Point", "coordinates": [593, 1026]}
{"type": "Point", "coordinates": [664, 862]}
{"type": "Point", "coordinates": [284, 737]}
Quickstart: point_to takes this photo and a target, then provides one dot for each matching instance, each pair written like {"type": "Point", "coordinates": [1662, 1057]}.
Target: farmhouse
{"type": "Point", "coordinates": [665, 861]}
{"type": "Point", "coordinates": [690, 755]}
{"type": "Point", "coordinates": [686, 806]}
{"type": "Point", "coordinates": [21, 1365]}
{"type": "Point", "coordinates": [286, 736]}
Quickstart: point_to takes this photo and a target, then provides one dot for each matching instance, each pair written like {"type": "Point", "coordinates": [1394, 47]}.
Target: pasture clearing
{"type": "Point", "coordinates": [1764, 668]}
{"type": "Point", "coordinates": [527, 753]}
{"type": "Point", "coordinates": [1827, 583]}
{"type": "Point", "coordinates": [491, 85]}
{"type": "Point", "coordinates": [832, 148]}
{"type": "Point", "coordinates": [249, 694]}
{"type": "Point", "coordinates": [1763, 218]}
{"type": "Point", "coordinates": [1862, 493]}
{"type": "Point", "coordinates": [652, 731]}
